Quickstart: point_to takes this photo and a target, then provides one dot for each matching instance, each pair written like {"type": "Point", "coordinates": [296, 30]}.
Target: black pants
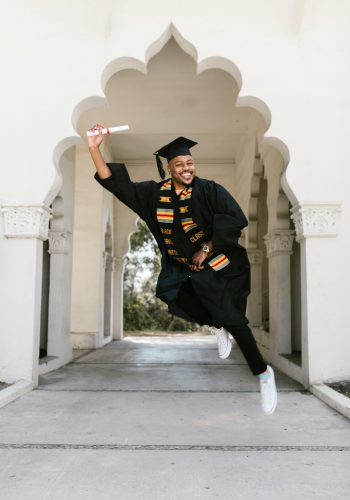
{"type": "Point", "coordinates": [242, 333]}
{"type": "Point", "coordinates": [246, 342]}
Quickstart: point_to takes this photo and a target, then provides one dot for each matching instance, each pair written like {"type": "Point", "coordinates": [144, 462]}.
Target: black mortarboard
{"type": "Point", "coordinates": [179, 147]}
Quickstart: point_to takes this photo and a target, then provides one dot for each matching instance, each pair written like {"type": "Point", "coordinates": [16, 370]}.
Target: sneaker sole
{"type": "Point", "coordinates": [272, 409]}
{"type": "Point", "coordinates": [275, 402]}
{"type": "Point", "coordinates": [227, 352]}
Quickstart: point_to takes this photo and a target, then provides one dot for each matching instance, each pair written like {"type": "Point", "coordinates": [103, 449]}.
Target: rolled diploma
{"type": "Point", "coordinates": [109, 130]}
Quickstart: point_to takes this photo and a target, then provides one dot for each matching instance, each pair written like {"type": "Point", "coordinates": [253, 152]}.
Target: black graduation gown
{"type": "Point", "coordinates": [211, 297]}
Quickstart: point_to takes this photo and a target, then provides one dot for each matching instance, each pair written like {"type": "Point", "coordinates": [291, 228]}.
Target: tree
{"type": "Point", "coordinates": [142, 310]}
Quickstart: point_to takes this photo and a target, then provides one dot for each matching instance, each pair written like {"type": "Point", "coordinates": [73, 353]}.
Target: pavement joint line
{"type": "Point", "coordinates": [172, 447]}
{"type": "Point", "coordinates": [161, 363]}
{"type": "Point", "coordinates": [151, 348]}
{"type": "Point", "coordinates": [194, 391]}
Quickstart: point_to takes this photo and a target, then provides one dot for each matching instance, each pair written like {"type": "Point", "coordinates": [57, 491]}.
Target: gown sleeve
{"type": "Point", "coordinates": [135, 195]}
{"type": "Point", "coordinates": [228, 218]}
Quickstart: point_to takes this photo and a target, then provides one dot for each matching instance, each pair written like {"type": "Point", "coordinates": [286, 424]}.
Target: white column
{"type": "Point", "coordinates": [118, 302]}
{"type": "Point", "coordinates": [254, 309]}
{"type": "Point", "coordinates": [59, 344]}
{"type": "Point", "coordinates": [125, 223]}
{"type": "Point", "coordinates": [88, 235]}
{"type": "Point", "coordinates": [279, 248]}
{"type": "Point", "coordinates": [25, 228]}
{"type": "Point", "coordinates": [107, 296]}
{"type": "Point", "coordinates": [324, 344]}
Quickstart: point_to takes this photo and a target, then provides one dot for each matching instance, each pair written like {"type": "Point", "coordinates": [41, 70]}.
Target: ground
{"type": "Point", "coordinates": [163, 418]}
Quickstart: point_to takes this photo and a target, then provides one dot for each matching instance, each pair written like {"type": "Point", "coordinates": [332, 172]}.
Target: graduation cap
{"type": "Point", "coordinates": [179, 147]}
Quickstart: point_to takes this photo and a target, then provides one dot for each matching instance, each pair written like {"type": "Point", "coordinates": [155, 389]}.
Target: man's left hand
{"type": "Point", "coordinates": [198, 259]}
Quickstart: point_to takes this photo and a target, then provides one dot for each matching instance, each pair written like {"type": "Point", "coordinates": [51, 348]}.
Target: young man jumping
{"type": "Point", "coordinates": [205, 274]}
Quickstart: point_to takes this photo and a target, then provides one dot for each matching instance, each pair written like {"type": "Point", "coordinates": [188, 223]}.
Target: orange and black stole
{"type": "Point", "coordinates": [182, 236]}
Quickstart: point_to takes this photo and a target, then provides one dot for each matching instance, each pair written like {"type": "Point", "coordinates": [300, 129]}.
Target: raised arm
{"type": "Point", "coordinates": [94, 143]}
{"type": "Point", "coordinates": [115, 178]}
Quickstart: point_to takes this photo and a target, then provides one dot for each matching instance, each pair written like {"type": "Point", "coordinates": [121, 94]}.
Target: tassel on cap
{"type": "Point", "coordinates": [160, 167]}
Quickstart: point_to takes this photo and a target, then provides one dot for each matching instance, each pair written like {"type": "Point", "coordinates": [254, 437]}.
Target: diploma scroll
{"type": "Point", "coordinates": [107, 131]}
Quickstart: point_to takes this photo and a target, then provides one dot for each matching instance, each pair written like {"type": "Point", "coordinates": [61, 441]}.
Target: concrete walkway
{"type": "Point", "coordinates": [166, 419]}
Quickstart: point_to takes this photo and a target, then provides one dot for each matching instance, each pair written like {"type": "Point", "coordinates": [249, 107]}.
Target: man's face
{"type": "Point", "coordinates": [182, 171]}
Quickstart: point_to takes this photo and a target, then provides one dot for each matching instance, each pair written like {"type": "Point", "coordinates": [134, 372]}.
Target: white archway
{"type": "Point", "coordinates": [237, 128]}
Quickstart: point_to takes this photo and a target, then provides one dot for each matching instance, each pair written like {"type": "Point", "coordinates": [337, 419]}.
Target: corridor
{"type": "Point", "coordinates": [163, 418]}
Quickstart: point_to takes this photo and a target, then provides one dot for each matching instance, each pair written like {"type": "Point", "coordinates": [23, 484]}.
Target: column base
{"type": "Point", "coordinates": [84, 340]}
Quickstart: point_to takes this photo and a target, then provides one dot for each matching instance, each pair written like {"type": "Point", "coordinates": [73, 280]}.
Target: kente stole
{"type": "Point", "coordinates": [181, 234]}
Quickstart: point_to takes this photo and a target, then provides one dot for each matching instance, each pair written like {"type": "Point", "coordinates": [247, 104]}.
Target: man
{"type": "Point", "coordinates": [205, 275]}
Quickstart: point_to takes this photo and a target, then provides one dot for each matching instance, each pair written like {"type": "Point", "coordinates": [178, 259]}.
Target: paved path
{"type": "Point", "coordinates": [166, 419]}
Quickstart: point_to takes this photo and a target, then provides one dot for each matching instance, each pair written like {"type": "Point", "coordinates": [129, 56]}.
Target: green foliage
{"type": "Point", "coordinates": [142, 310]}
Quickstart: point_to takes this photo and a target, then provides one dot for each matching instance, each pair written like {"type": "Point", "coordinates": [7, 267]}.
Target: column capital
{"type": "Point", "coordinates": [314, 220]}
{"type": "Point", "coordinates": [59, 241]}
{"type": "Point", "coordinates": [26, 220]}
{"type": "Point", "coordinates": [118, 264]}
{"type": "Point", "coordinates": [255, 256]}
{"type": "Point", "coordinates": [279, 242]}
{"type": "Point", "coordinates": [107, 261]}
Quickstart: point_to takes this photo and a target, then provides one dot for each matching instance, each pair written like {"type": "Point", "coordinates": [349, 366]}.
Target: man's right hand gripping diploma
{"type": "Point", "coordinates": [94, 143]}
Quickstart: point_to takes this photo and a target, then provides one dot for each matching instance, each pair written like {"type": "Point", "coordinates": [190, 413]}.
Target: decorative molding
{"type": "Point", "coordinates": [26, 220]}
{"type": "Point", "coordinates": [316, 220]}
{"type": "Point", "coordinates": [255, 256]}
{"type": "Point", "coordinates": [107, 261]}
{"type": "Point", "coordinates": [279, 242]}
{"type": "Point", "coordinates": [59, 241]}
{"type": "Point", "coordinates": [118, 264]}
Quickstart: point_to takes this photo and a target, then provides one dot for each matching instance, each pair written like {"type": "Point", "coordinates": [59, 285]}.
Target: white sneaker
{"type": "Point", "coordinates": [224, 342]}
{"type": "Point", "coordinates": [268, 393]}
